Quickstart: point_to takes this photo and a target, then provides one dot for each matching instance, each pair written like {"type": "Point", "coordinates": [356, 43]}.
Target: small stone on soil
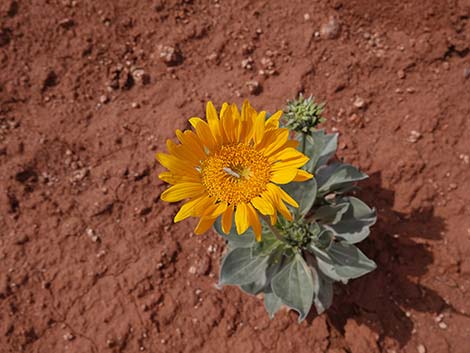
{"type": "Point", "coordinates": [254, 87]}
{"type": "Point", "coordinates": [414, 136]}
{"type": "Point", "coordinates": [442, 325]}
{"type": "Point", "coordinates": [359, 103]}
{"type": "Point", "coordinates": [247, 64]}
{"type": "Point", "coordinates": [171, 56]}
{"type": "Point", "coordinates": [330, 29]}
{"type": "Point", "coordinates": [69, 337]}
{"type": "Point", "coordinates": [104, 99]}
{"type": "Point", "coordinates": [421, 348]}
{"type": "Point", "coordinates": [466, 72]}
{"type": "Point", "coordinates": [401, 74]}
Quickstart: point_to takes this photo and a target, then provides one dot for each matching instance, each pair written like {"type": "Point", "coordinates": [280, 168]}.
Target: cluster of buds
{"type": "Point", "coordinates": [303, 114]}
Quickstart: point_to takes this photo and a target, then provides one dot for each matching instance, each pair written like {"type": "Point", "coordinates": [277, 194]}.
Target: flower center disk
{"type": "Point", "coordinates": [235, 173]}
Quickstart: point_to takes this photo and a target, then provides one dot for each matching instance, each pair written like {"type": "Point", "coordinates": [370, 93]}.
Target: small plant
{"type": "Point", "coordinates": [240, 168]}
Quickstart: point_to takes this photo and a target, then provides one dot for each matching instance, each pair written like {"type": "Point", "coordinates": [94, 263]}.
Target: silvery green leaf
{"type": "Point", "coordinates": [272, 302]}
{"type": "Point", "coordinates": [294, 285]}
{"type": "Point", "coordinates": [330, 214]}
{"type": "Point", "coordinates": [323, 291]}
{"type": "Point", "coordinates": [274, 265]}
{"type": "Point", "coordinates": [304, 193]}
{"type": "Point", "coordinates": [337, 176]}
{"type": "Point", "coordinates": [320, 147]}
{"type": "Point", "coordinates": [240, 267]}
{"type": "Point", "coordinates": [324, 239]}
{"type": "Point", "coordinates": [256, 287]}
{"type": "Point", "coordinates": [245, 240]}
{"type": "Point", "coordinates": [349, 261]}
{"type": "Point", "coordinates": [355, 222]}
{"type": "Point", "coordinates": [325, 264]}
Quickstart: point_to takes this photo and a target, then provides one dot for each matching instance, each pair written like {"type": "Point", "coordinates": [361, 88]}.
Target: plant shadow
{"type": "Point", "coordinates": [382, 299]}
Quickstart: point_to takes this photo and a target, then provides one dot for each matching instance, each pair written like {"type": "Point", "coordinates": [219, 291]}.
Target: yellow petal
{"type": "Point", "coordinates": [283, 176]}
{"type": "Point", "coordinates": [273, 121]}
{"type": "Point", "coordinates": [253, 219]}
{"type": "Point", "coordinates": [286, 154]}
{"type": "Point", "coordinates": [187, 209]}
{"type": "Point", "coordinates": [182, 191]}
{"type": "Point", "coordinates": [205, 223]}
{"type": "Point", "coordinates": [302, 175]}
{"type": "Point", "coordinates": [241, 218]}
{"type": "Point", "coordinates": [213, 121]}
{"type": "Point", "coordinates": [215, 210]}
{"type": "Point", "coordinates": [171, 178]}
{"type": "Point", "coordinates": [259, 127]}
{"type": "Point", "coordinates": [227, 217]}
{"type": "Point", "coordinates": [263, 205]}
{"type": "Point", "coordinates": [286, 197]}
{"type": "Point", "coordinates": [204, 133]}
{"type": "Point", "coordinates": [281, 207]}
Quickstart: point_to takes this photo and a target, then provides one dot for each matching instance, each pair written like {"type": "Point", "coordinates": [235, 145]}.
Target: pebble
{"type": "Point", "coordinates": [359, 103]}
{"type": "Point", "coordinates": [465, 158]}
{"type": "Point", "coordinates": [306, 17]}
{"type": "Point", "coordinates": [69, 337]}
{"type": "Point", "coordinates": [442, 325]}
{"type": "Point", "coordinates": [254, 87]}
{"type": "Point", "coordinates": [92, 235]}
{"type": "Point", "coordinates": [247, 64]}
{"type": "Point", "coordinates": [104, 99]}
{"type": "Point", "coordinates": [330, 29]}
{"type": "Point", "coordinates": [414, 136]}
{"type": "Point", "coordinates": [171, 56]}
{"type": "Point", "coordinates": [421, 348]}
{"type": "Point", "coordinates": [192, 270]}
{"type": "Point", "coordinates": [466, 72]}
{"type": "Point", "coordinates": [401, 74]}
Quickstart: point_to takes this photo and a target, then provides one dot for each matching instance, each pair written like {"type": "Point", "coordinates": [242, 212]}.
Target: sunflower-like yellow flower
{"type": "Point", "coordinates": [231, 165]}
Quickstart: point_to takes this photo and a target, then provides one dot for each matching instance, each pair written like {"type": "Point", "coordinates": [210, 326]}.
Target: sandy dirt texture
{"type": "Point", "coordinates": [90, 90]}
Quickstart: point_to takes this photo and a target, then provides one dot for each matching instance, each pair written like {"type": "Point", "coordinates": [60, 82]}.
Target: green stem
{"type": "Point", "coordinates": [273, 229]}
{"type": "Point", "coordinates": [304, 142]}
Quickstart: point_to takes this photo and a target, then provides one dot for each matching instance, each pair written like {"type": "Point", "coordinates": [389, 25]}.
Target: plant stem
{"type": "Point", "coordinates": [273, 229]}
{"type": "Point", "coordinates": [304, 142]}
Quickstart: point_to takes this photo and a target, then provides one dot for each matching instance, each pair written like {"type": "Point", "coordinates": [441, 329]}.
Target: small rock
{"type": "Point", "coordinates": [410, 90]}
{"type": "Point", "coordinates": [465, 158]}
{"type": "Point", "coordinates": [192, 270]}
{"type": "Point", "coordinates": [171, 56]}
{"type": "Point", "coordinates": [104, 99]}
{"type": "Point", "coordinates": [330, 29]}
{"type": "Point", "coordinates": [135, 105]}
{"type": "Point", "coordinates": [414, 136]}
{"type": "Point", "coordinates": [446, 65]}
{"type": "Point", "coordinates": [306, 17]}
{"type": "Point", "coordinates": [401, 74]}
{"type": "Point", "coordinates": [140, 76]}
{"type": "Point", "coordinates": [69, 337]}
{"type": "Point", "coordinates": [254, 87]}
{"type": "Point", "coordinates": [92, 235]}
{"type": "Point", "coordinates": [442, 325]}
{"type": "Point", "coordinates": [466, 72]}
{"type": "Point", "coordinates": [421, 348]}
{"type": "Point", "coordinates": [359, 103]}
{"type": "Point", "coordinates": [247, 64]}
{"type": "Point", "coordinates": [67, 23]}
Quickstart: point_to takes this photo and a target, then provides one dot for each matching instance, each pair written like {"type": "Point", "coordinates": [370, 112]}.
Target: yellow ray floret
{"type": "Point", "coordinates": [229, 166]}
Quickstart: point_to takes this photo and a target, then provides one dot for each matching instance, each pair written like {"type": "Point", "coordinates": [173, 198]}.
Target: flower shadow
{"type": "Point", "coordinates": [385, 298]}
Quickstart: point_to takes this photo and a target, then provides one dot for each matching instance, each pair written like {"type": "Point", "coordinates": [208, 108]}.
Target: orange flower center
{"type": "Point", "coordinates": [235, 173]}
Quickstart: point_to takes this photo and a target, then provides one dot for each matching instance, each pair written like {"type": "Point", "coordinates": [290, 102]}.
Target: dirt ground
{"type": "Point", "coordinates": [89, 90]}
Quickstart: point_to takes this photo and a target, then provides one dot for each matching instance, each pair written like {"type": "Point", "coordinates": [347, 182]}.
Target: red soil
{"type": "Point", "coordinates": [90, 259]}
